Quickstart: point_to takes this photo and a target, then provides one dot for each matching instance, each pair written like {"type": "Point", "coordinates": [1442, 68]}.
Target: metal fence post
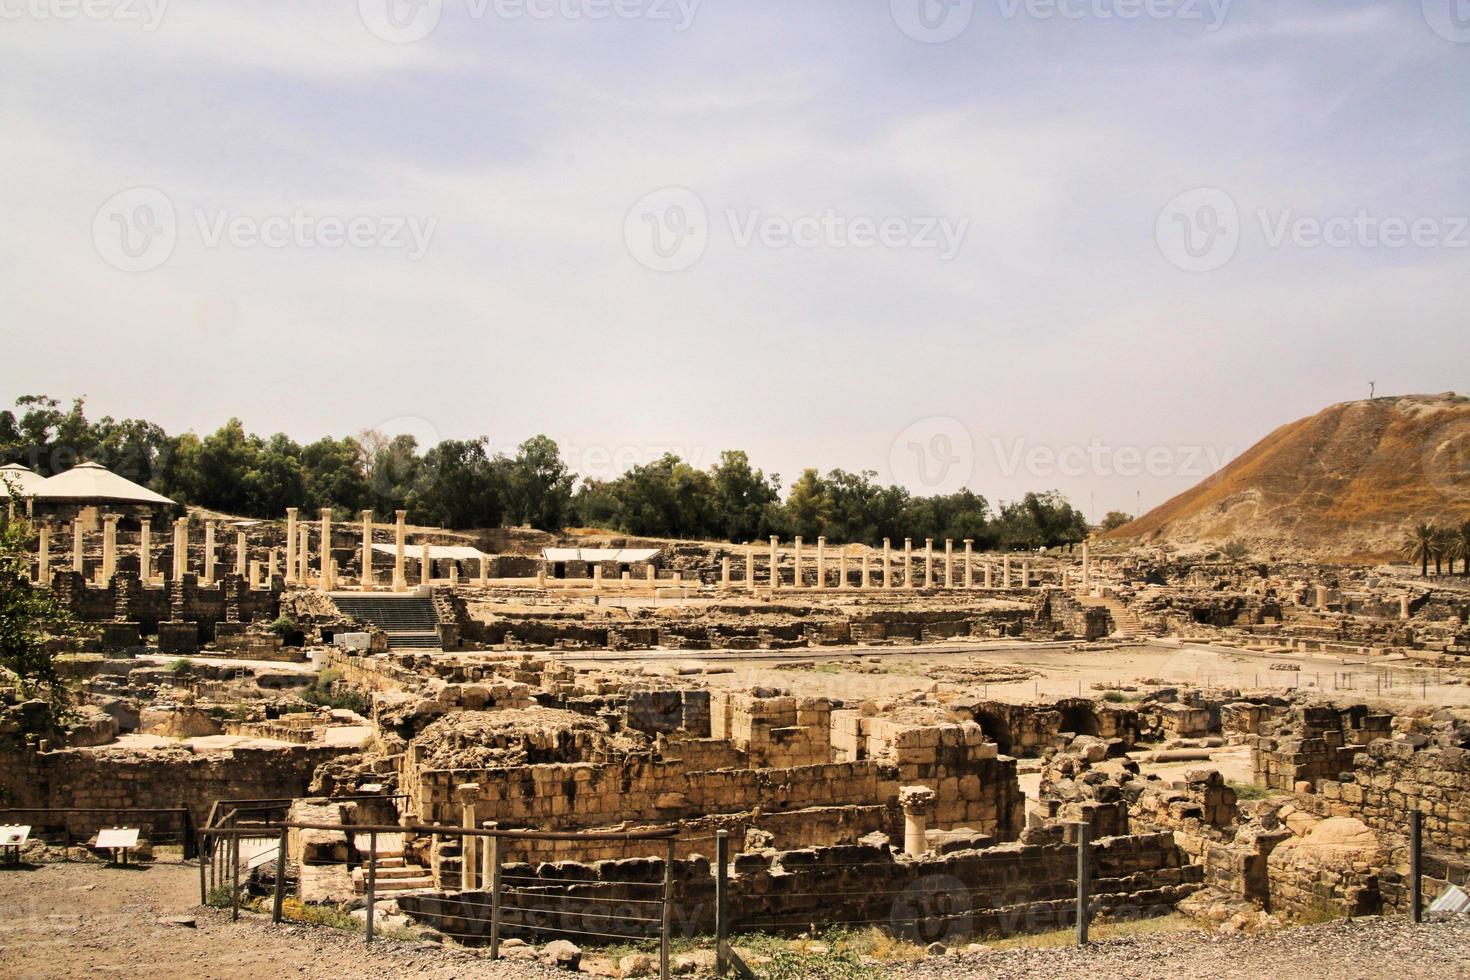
{"type": "Point", "coordinates": [722, 898]}
{"type": "Point", "coordinates": [203, 870]}
{"type": "Point", "coordinates": [668, 910]}
{"type": "Point", "coordinates": [280, 895]}
{"type": "Point", "coordinates": [1084, 847]}
{"type": "Point", "coordinates": [1416, 866]}
{"type": "Point", "coordinates": [495, 897]}
{"type": "Point", "coordinates": [372, 881]}
{"type": "Point", "coordinates": [234, 874]}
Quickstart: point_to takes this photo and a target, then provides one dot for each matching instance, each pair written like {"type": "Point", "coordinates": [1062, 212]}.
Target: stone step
{"type": "Point", "coordinates": [396, 884]}
{"type": "Point", "coordinates": [360, 874]}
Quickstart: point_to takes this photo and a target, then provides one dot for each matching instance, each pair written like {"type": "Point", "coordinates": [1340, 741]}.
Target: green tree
{"type": "Point", "coordinates": [459, 486]}
{"type": "Point", "coordinates": [333, 474]}
{"type": "Point", "coordinates": [539, 485]}
{"type": "Point", "coordinates": [29, 616]}
{"type": "Point", "coordinates": [1420, 545]}
{"type": "Point", "coordinates": [1115, 519]}
{"type": "Point", "coordinates": [743, 497]}
{"type": "Point", "coordinates": [807, 505]}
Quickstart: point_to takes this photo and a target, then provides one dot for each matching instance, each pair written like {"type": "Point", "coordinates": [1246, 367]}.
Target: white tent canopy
{"type": "Point", "coordinates": [437, 552]}
{"type": "Point", "coordinates": [24, 480]}
{"type": "Point", "coordinates": [91, 481]}
{"type": "Point", "coordinates": [620, 555]}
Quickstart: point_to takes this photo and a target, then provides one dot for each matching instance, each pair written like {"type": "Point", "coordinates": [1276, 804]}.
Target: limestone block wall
{"type": "Point", "coordinates": [1391, 778]}
{"type": "Point", "coordinates": [975, 787]}
{"type": "Point", "coordinates": [967, 894]}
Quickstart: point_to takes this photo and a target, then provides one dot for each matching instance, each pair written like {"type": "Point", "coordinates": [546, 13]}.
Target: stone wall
{"type": "Point", "coordinates": [957, 896]}
{"type": "Point", "coordinates": [1390, 778]}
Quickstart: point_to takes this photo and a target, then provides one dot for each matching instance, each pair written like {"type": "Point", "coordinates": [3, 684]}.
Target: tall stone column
{"type": "Point", "coordinates": [1006, 572]}
{"type": "Point", "coordinates": [989, 574]}
{"type": "Point", "coordinates": [426, 563]}
{"type": "Point", "coordinates": [78, 558]}
{"type": "Point", "coordinates": [109, 548]}
{"type": "Point", "coordinates": [917, 803]}
{"type": "Point", "coordinates": [209, 552]}
{"type": "Point", "coordinates": [948, 563]}
{"type": "Point", "coordinates": [1025, 573]}
{"type": "Point", "coordinates": [1086, 567]}
{"type": "Point", "coordinates": [367, 551]}
{"type": "Point", "coordinates": [270, 568]}
{"type": "Point", "coordinates": [241, 557]}
{"type": "Point", "coordinates": [842, 568]}
{"type": "Point", "coordinates": [291, 546]}
{"type": "Point", "coordinates": [400, 580]}
{"type": "Point", "coordinates": [326, 547]}
{"type": "Point", "coordinates": [145, 550]}
{"type": "Point", "coordinates": [887, 564]}
{"type": "Point", "coordinates": [796, 582]}
{"type": "Point", "coordinates": [821, 562]}
{"type": "Point", "coordinates": [43, 557]}
{"type": "Point", "coordinates": [303, 554]}
{"type": "Point", "coordinates": [725, 572]}
{"type": "Point", "coordinates": [775, 569]}
{"type": "Point", "coordinates": [484, 571]}
{"type": "Point", "coordinates": [863, 575]}
{"type": "Point", "coordinates": [181, 548]}
{"type": "Point", "coordinates": [467, 793]}
{"type": "Point", "coordinates": [928, 563]}
{"type": "Point", "coordinates": [969, 558]}
{"type": "Point", "coordinates": [750, 569]}
{"type": "Point", "coordinates": [908, 563]}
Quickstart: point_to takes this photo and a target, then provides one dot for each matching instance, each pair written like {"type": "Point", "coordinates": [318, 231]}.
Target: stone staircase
{"type": "Point", "coordinates": [394, 873]}
{"type": "Point", "coordinates": [409, 620]}
{"type": "Point", "coordinates": [1126, 626]}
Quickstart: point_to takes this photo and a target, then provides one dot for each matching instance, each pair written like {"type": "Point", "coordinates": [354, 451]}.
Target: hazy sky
{"type": "Point", "coordinates": [1091, 245]}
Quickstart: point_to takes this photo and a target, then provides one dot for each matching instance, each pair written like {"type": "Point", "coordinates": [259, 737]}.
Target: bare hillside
{"type": "Point", "coordinates": [1344, 483]}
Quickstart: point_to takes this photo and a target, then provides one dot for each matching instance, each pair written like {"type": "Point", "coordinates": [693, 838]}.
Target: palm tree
{"type": "Point", "coordinates": [1420, 546]}
{"type": "Point", "coordinates": [1444, 549]}
{"type": "Point", "coordinates": [1462, 546]}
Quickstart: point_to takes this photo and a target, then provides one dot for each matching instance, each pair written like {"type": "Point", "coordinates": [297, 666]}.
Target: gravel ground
{"type": "Point", "coordinates": [1371, 947]}
{"type": "Point", "coordinates": [68, 920]}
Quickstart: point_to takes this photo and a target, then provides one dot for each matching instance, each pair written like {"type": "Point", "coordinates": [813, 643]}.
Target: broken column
{"type": "Point", "coordinates": [989, 575]}
{"type": "Point", "coordinates": [484, 570]}
{"type": "Point", "coordinates": [1086, 566]}
{"type": "Point", "coordinates": [908, 563]}
{"type": "Point", "coordinates": [78, 560]}
{"type": "Point", "coordinates": [842, 568]}
{"type": "Point", "coordinates": [863, 581]}
{"type": "Point", "coordinates": [43, 556]}
{"type": "Point", "coordinates": [887, 564]}
{"type": "Point", "coordinates": [326, 546]}
{"type": "Point", "coordinates": [821, 562]}
{"type": "Point", "coordinates": [181, 548]}
{"type": "Point", "coordinates": [750, 569]}
{"type": "Point", "coordinates": [303, 554]}
{"type": "Point", "coordinates": [775, 573]}
{"type": "Point", "coordinates": [467, 793]}
{"type": "Point", "coordinates": [109, 548]}
{"type": "Point", "coordinates": [917, 803]}
{"type": "Point", "coordinates": [291, 545]}
{"type": "Point", "coordinates": [1025, 574]}
{"type": "Point", "coordinates": [426, 571]}
{"type": "Point", "coordinates": [1404, 606]}
{"type": "Point", "coordinates": [1321, 597]}
{"type": "Point", "coordinates": [725, 572]}
{"type": "Point", "coordinates": [209, 555]}
{"type": "Point", "coordinates": [796, 582]}
{"type": "Point", "coordinates": [928, 563]}
{"type": "Point", "coordinates": [948, 563]}
{"type": "Point", "coordinates": [400, 581]}
{"type": "Point", "coordinates": [241, 558]}
{"type": "Point", "coordinates": [969, 557]}
{"type": "Point", "coordinates": [367, 551]}
{"type": "Point", "coordinates": [145, 550]}
{"type": "Point", "coordinates": [597, 576]}
{"type": "Point", "coordinates": [270, 568]}
{"type": "Point", "coordinates": [255, 574]}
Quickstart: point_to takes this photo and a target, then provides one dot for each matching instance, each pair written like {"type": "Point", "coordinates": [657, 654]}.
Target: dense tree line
{"type": "Point", "coordinates": [462, 484]}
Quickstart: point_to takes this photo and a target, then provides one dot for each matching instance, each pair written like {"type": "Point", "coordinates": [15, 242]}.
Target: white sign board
{"type": "Point", "coordinates": [14, 836]}
{"type": "Point", "coordinates": [117, 837]}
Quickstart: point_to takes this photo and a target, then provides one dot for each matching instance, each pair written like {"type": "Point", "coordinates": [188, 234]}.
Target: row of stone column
{"type": "Point", "coordinates": [865, 579]}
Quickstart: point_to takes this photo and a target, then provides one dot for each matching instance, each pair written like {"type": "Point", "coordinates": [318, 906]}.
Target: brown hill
{"type": "Point", "coordinates": [1344, 484]}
